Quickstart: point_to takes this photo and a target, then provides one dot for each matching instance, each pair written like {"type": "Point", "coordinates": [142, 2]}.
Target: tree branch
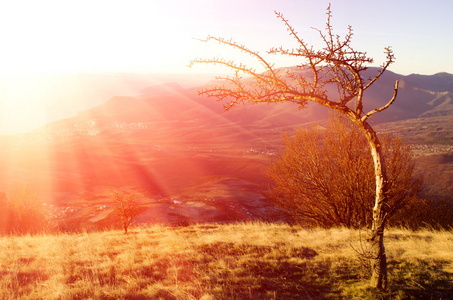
{"type": "Point", "coordinates": [395, 92]}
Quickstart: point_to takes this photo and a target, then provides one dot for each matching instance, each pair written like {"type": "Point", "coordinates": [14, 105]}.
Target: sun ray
{"type": "Point", "coordinates": [151, 144]}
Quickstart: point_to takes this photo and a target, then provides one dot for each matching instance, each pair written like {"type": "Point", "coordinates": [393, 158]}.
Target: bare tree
{"type": "Point", "coordinates": [337, 64]}
{"type": "Point", "coordinates": [127, 207]}
{"type": "Point", "coordinates": [325, 176]}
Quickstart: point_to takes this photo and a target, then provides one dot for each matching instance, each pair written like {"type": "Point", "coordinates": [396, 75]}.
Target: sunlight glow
{"type": "Point", "coordinates": [56, 36]}
{"type": "Point", "coordinates": [28, 102]}
{"type": "Point", "coordinates": [61, 37]}
{"type": "Point", "coordinates": [47, 44]}
{"type": "Point", "coordinates": [21, 105]}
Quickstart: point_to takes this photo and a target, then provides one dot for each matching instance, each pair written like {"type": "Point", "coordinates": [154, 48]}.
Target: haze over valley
{"type": "Point", "coordinates": [191, 160]}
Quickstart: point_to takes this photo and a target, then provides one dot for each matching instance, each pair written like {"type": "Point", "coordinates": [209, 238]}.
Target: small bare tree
{"type": "Point", "coordinates": [337, 65]}
{"type": "Point", "coordinates": [127, 207]}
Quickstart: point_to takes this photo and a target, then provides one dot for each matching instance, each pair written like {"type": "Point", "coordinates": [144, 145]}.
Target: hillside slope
{"type": "Point", "coordinates": [176, 147]}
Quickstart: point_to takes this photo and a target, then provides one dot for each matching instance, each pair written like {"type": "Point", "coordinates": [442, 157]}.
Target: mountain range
{"type": "Point", "coordinates": [192, 161]}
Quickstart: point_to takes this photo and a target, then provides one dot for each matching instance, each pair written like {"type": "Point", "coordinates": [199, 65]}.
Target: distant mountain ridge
{"type": "Point", "coordinates": [418, 96]}
{"type": "Point", "coordinates": [439, 82]}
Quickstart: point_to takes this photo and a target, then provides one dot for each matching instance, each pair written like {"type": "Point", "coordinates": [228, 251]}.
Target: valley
{"type": "Point", "coordinates": [189, 160]}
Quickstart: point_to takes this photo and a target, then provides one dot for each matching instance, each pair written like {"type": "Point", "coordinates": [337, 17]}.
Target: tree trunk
{"type": "Point", "coordinates": [377, 254]}
{"type": "Point", "coordinates": [378, 259]}
{"type": "Point", "coordinates": [376, 238]}
{"type": "Point", "coordinates": [377, 250]}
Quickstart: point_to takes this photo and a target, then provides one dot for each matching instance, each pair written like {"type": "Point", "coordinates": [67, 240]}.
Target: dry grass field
{"type": "Point", "coordinates": [232, 261]}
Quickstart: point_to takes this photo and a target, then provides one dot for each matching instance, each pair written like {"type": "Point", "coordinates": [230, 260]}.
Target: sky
{"type": "Point", "coordinates": [42, 38]}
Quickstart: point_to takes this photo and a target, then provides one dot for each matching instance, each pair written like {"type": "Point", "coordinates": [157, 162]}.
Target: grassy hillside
{"type": "Point", "coordinates": [235, 261]}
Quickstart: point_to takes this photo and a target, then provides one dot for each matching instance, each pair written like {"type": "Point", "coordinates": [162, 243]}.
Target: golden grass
{"type": "Point", "coordinates": [234, 261]}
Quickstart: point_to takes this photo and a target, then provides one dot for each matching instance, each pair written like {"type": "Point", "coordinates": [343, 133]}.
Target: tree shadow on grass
{"type": "Point", "coordinates": [420, 280]}
{"type": "Point", "coordinates": [265, 272]}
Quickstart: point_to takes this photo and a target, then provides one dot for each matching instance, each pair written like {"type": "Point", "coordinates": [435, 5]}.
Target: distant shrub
{"type": "Point", "coordinates": [419, 213]}
{"type": "Point", "coordinates": [22, 213]}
